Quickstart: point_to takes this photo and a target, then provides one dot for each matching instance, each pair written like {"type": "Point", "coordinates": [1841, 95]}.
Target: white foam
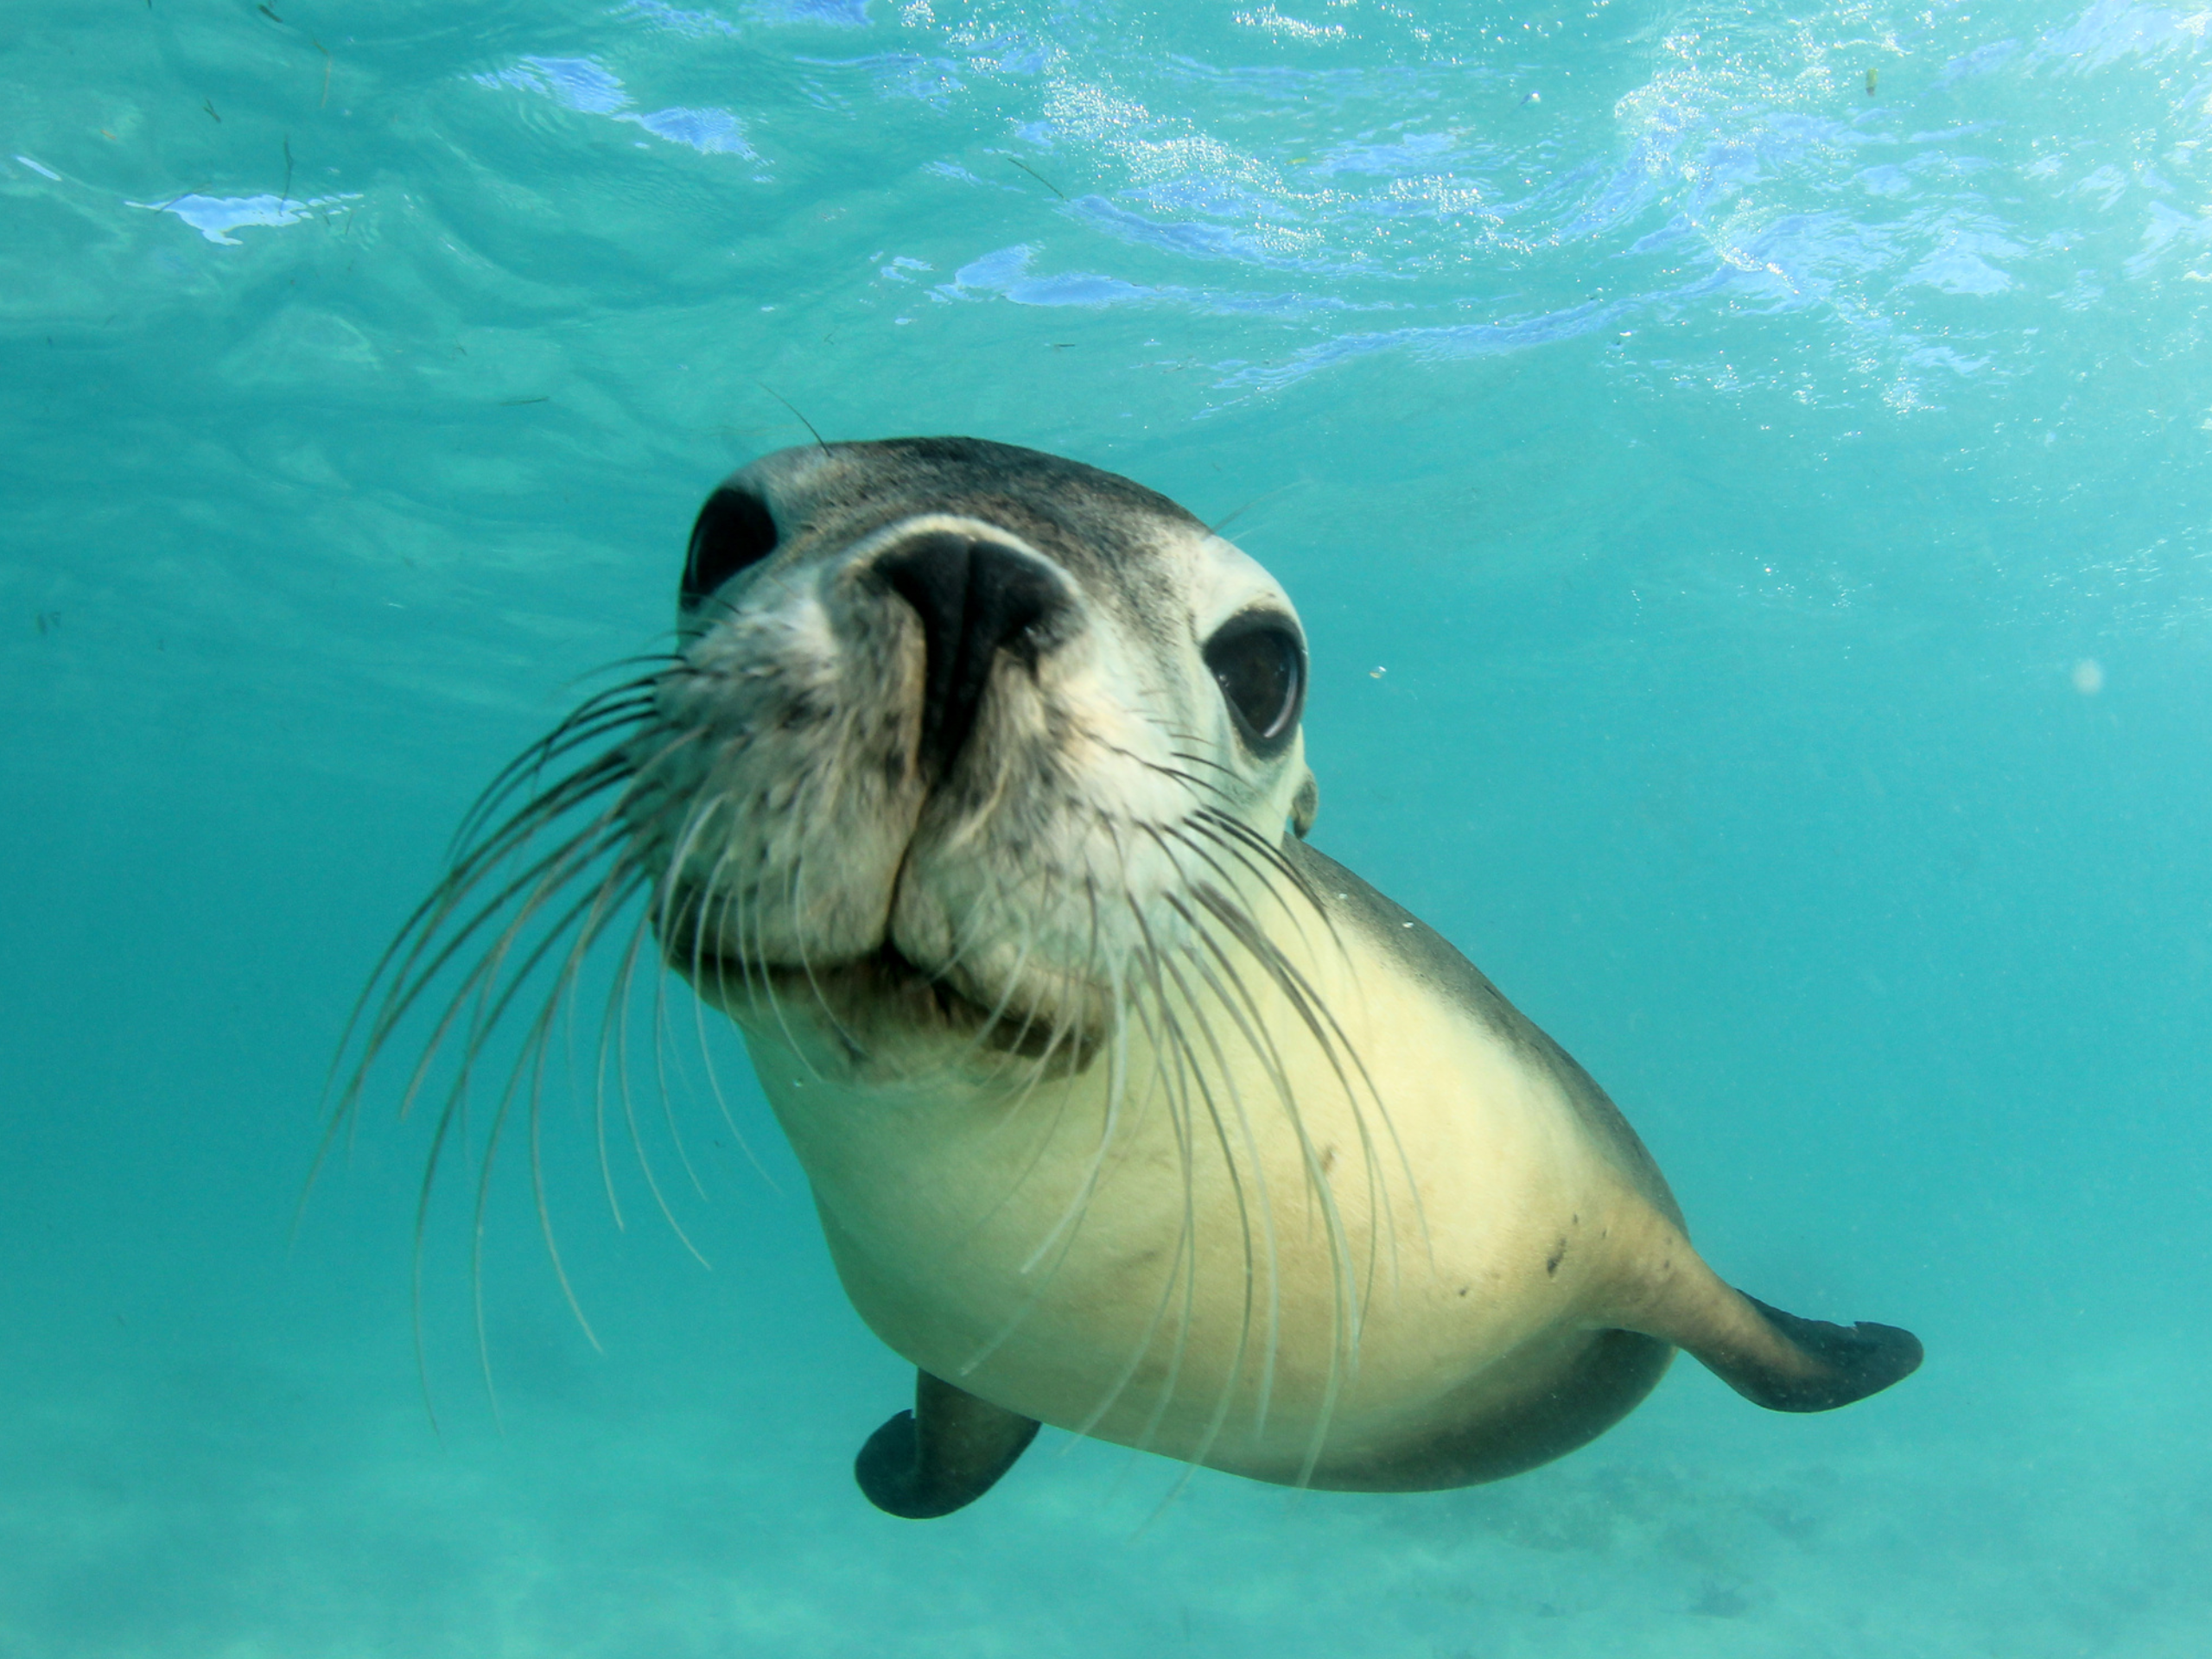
{"type": "Point", "coordinates": [216, 217]}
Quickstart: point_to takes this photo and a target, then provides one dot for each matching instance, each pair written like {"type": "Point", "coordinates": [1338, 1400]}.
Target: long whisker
{"type": "Point", "coordinates": [1321, 1028]}
{"type": "Point", "coordinates": [699, 1030]}
{"type": "Point", "coordinates": [529, 889]}
{"type": "Point", "coordinates": [611, 711]}
{"type": "Point", "coordinates": [1188, 1066]}
{"type": "Point", "coordinates": [1181, 1272]}
{"type": "Point", "coordinates": [503, 899]}
{"type": "Point", "coordinates": [398, 966]}
{"type": "Point", "coordinates": [1227, 1074]}
{"type": "Point", "coordinates": [1311, 1004]}
{"type": "Point", "coordinates": [1238, 999]}
{"type": "Point", "coordinates": [1058, 1242]}
{"type": "Point", "coordinates": [1063, 1030]}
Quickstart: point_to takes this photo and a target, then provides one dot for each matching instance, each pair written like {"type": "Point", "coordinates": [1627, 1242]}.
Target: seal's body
{"type": "Point", "coordinates": [966, 798]}
{"type": "Point", "coordinates": [1418, 1282]}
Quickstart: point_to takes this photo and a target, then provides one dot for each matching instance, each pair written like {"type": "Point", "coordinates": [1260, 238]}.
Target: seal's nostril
{"type": "Point", "coordinates": [975, 598]}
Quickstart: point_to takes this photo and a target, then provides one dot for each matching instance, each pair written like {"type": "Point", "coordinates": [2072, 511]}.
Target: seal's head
{"type": "Point", "coordinates": [958, 737]}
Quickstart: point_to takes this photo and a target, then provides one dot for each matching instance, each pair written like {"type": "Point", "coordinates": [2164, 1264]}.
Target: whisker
{"type": "Point", "coordinates": [706, 1053]}
{"type": "Point", "coordinates": [1265, 1207]}
{"type": "Point", "coordinates": [1310, 1004]}
{"type": "Point", "coordinates": [514, 907]}
{"type": "Point", "coordinates": [617, 707]}
{"type": "Point", "coordinates": [1186, 1066]}
{"type": "Point", "coordinates": [400, 963]}
{"type": "Point", "coordinates": [1245, 1012]}
{"type": "Point", "coordinates": [1180, 1272]}
{"type": "Point", "coordinates": [1063, 1232]}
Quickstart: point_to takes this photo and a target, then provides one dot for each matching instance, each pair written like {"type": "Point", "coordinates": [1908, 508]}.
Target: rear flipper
{"type": "Point", "coordinates": [943, 1455]}
{"type": "Point", "coordinates": [1785, 1364]}
{"type": "Point", "coordinates": [1772, 1358]}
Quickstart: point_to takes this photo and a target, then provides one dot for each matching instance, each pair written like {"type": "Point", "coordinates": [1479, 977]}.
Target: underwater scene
{"type": "Point", "coordinates": [1743, 473]}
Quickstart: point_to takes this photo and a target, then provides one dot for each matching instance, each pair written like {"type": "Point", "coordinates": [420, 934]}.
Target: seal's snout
{"type": "Point", "coordinates": [975, 597]}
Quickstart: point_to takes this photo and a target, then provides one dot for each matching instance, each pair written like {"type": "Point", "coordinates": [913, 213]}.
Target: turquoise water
{"type": "Point", "coordinates": [1747, 476]}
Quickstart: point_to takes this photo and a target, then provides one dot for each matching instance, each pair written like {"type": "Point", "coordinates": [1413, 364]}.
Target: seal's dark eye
{"type": "Point", "coordinates": [733, 529]}
{"type": "Point", "coordinates": [1261, 667]}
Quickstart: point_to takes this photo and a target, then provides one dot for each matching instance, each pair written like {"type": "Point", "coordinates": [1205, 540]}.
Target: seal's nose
{"type": "Point", "coordinates": [975, 597]}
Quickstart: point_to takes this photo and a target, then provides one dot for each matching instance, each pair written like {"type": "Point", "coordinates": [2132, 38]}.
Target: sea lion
{"type": "Point", "coordinates": [975, 793]}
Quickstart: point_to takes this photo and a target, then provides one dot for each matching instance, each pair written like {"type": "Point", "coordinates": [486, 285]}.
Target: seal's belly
{"type": "Point", "coordinates": [1330, 1249]}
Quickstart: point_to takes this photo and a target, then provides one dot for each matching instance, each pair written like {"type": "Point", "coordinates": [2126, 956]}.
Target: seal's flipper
{"type": "Point", "coordinates": [1772, 1358]}
{"type": "Point", "coordinates": [1794, 1364]}
{"type": "Point", "coordinates": [1776, 1359]}
{"type": "Point", "coordinates": [943, 1455]}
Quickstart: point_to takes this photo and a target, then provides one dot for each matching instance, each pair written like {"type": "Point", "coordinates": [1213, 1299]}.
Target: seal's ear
{"type": "Point", "coordinates": [1305, 807]}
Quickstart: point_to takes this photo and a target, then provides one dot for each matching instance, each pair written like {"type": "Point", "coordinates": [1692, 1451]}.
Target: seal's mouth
{"type": "Point", "coordinates": [865, 998]}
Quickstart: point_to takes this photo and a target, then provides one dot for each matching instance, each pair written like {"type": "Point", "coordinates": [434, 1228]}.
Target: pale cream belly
{"type": "Point", "coordinates": [1203, 1272]}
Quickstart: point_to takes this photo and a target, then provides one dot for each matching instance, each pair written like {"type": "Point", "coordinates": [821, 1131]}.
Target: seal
{"type": "Point", "coordinates": [975, 792]}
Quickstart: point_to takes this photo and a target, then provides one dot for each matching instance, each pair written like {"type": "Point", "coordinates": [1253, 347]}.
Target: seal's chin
{"type": "Point", "coordinates": [880, 1007]}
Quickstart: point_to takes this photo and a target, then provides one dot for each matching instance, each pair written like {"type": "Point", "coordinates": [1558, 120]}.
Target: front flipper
{"type": "Point", "coordinates": [943, 1455]}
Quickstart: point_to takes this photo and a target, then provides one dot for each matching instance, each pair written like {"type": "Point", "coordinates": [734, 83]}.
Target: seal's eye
{"type": "Point", "coordinates": [733, 529]}
{"type": "Point", "coordinates": [1260, 668]}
